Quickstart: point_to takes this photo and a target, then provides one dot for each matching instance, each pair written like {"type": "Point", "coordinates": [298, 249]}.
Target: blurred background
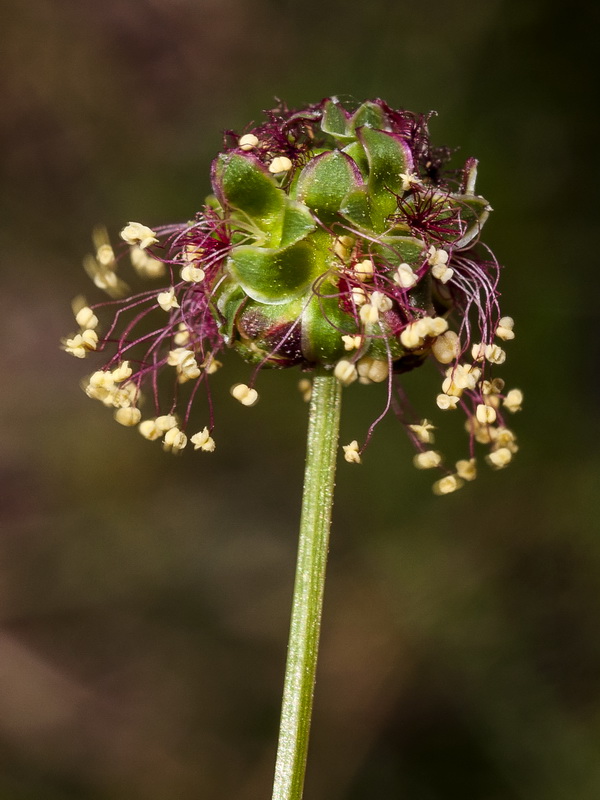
{"type": "Point", "coordinates": [144, 599]}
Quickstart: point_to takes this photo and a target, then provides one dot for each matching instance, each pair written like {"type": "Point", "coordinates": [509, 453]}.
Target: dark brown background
{"type": "Point", "coordinates": [144, 599]}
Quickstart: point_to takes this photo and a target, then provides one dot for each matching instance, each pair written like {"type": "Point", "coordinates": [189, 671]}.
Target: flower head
{"type": "Point", "coordinates": [334, 239]}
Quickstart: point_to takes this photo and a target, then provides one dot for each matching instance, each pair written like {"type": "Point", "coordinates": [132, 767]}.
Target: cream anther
{"type": "Point", "coordinates": [345, 372]}
{"type": "Point", "coordinates": [248, 141]}
{"type": "Point", "coordinates": [405, 276]}
{"type": "Point", "coordinates": [244, 394]}
{"type": "Point", "coordinates": [351, 453]}
{"type": "Point", "coordinates": [513, 400]}
{"type": "Point", "coordinates": [203, 441]}
{"type": "Point", "coordinates": [427, 460]}
{"type": "Point", "coordinates": [280, 164]}
{"type": "Point", "coordinates": [137, 234]}
{"type": "Point", "coordinates": [167, 300]}
{"type": "Point", "coordinates": [128, 416]}
{"type": "Point", "coordinates": [423, 431]}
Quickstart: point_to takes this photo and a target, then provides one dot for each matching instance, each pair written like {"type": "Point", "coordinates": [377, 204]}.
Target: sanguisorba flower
{"type": "Point", "coordinates": [334, 239]}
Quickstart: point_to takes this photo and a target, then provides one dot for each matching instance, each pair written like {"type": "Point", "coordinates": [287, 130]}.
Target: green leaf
{"type": "Point", "coordinates": [396, 250]}
{"type": "Point", "coordinates": [325, 181]}
{"type": "Point", "coordinates": [357, 153]}
{"type": "Point", "coordinates": [334, 120]}
{"type": "Point", "coordinates": [298, 222]}
{"type": "Point", "coordinates": [384, 341]}
{"type": "Point", "coordinates": [242, 183]}
{"type": "Point", "coordinates": [230, 300]}
{"type": "Point", "coordinates": [356, 208]}
{"type": "Point", "coordinates": [389, 157]}
{"type": "Point", "coordinates": [323, 324]}
{"type": "Point", "coordinates": [369, 114]}
{"type": "Point", "coordinates": [260, 328]}
{"type": "Point", "coordinates": [474, 211]}
{"type": "Point", "coordinates": [274, 276]}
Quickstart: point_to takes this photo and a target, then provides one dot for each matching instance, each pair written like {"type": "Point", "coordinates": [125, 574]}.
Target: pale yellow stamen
{"type": "Point", "coordinates": [192, 274]}
{"type": "Point", "coordinates": [447, 485]}
{"type": "Point", "coordinates": [423, 431]}
{"type": "Point", "coordinates": [342, 247]}
{"type": "Point", "coordinates": [446, 401]}
{"type": "Point", "coordinates": [486, 415]}
{"type": "Point", "coordinates": [495, 354]}
{"type": "Point", "coordinates": [101, 379]}
{"type": "Point", "coordinates": [492, 387]}
{"type": "Point", "coordinates": [203, 441]}
{"type": "Point", "coordinates": [411, 336]}
{"type": "Point", "coordinates": [438, 259]}
{"type": "Point", "coordinates": [351, 453]}
{"type": "Point", "coordinates": [280, 164]}
{"type": "Point", "coordinates": [174, 440]}
{"type": "Point", "coordinates": [408, 180]}
{"type": "Point", "coordinates": [482, 433]}
{"type": "Point", "coordinates": [248, 141]}
{"type": "Point", "coordinates": [185, 363]}
{"type": "Point", "coordinates": [165, 422]}
{"type": "Point", "coordinates": [124, 395]}
{"type": "Point", "coordinates": [429, 459]}
{"type": "Point", "coordinates": [104, 278]}
{"type": "Point", "coordinates": [128, 416]}
{"type": "Point", "coordinates": [451, 388]}
{"type": "Point", "coordinates": [210, 365]}
{"type": "Point", "coordinates": [459, 378]}
{"type": "Point", "coordinates": [499, 458]}
{"type": "Point", "coordinates": [466, 469]}
{"type": "Point", "coordinates": [86, 318]}
{"type": "Point", "coordinates": [352, 342]}
{"type": "Point", "coordinates": [364, 270]}
{"type": "Point", "coordinates": [245, 395]}
{"type": "Point", "coordinates": [513, 400]}
{"type": "Point", "coordinates": [381, 301]}
{"type": "Point", "coordinates": [105, 255]}
{"type": "Point", "coordinates": [122, 372]}
{"type": "Point", "coordinates": [405, 276]}
{"type": "Point", "coordinates": [478, 351]}
{"type": "Point", "coordinates": [182, 336]}
{"type": "Point", "coordinates": [446, 347]}
{"type": "Point", "coordinates": [369, 314]}
{"type": "Point", "coordinates": [345, 372]}
{"type": "Point", "coordinates": [505, 328]}
{"type": "Point", "coordinates": [167, 300]}
{"type": "Point", "coordinates": [100, 386]}
{"type": "Point", "coordinates": [504, 437]}
{"type": "Point", "coordinates": [305, 389]}
{"type": "Point", "coordinates": [434, 326]}
{"type": "Point", "coordinates": [80, 344]}
{"type": "Point", "coordinates": [145, 265]}
{"type": "Point", "coordinates": [149, 430]}
{"type": "Point", "coordinates": [359, 296]}
{"type": "Point", "coordinates": [372, 370]}
{"type": "Point", "coordinates": [443, 274]}
{"type": "Point", "coordinates": [192, 253]}
{"type": "Point", "coordinates": [137, 234]}
{"type": "Point", "coordinates": [414, 335]}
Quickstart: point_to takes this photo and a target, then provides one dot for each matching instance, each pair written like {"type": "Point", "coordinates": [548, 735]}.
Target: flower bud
{"type": "Point", "coordinates": [335, 239]}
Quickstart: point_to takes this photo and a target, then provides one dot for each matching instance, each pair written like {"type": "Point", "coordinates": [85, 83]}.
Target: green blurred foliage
{"type": "Point", "coordinates": [145, 598]}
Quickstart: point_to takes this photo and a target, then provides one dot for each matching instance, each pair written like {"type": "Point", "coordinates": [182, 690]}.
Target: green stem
{"type": "Point", "coordinates": [317, 501]}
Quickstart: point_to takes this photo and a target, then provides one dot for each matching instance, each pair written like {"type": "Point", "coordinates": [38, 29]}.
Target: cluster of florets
{"type": "Point", "coordinates": [334, 240]}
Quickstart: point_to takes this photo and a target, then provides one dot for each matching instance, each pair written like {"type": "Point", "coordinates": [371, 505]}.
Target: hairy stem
{"type": "Point", "coordinates": [317, 501]}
